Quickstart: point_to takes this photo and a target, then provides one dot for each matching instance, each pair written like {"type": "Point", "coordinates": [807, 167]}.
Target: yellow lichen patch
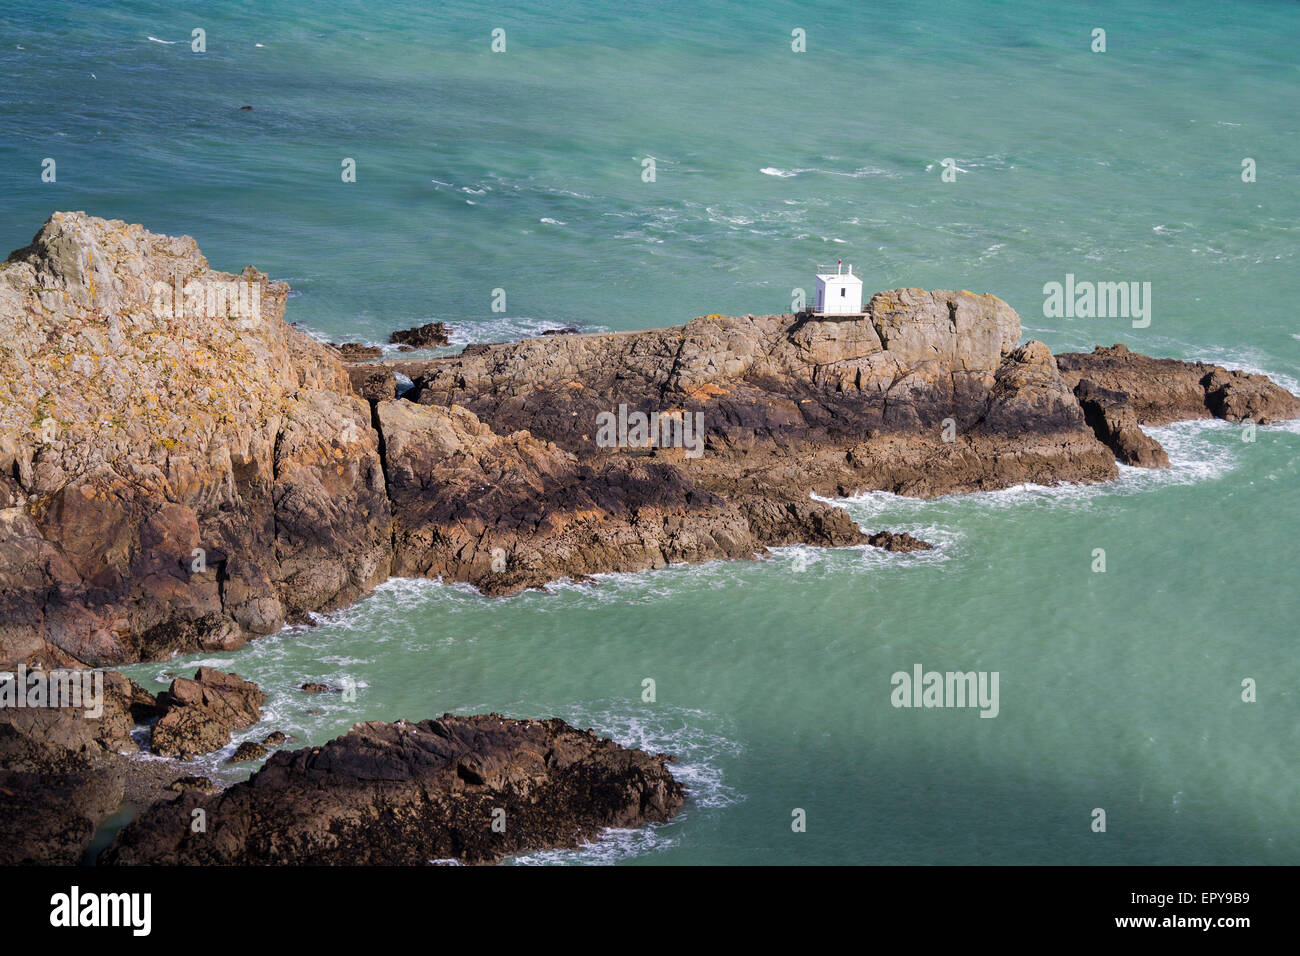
{"type": "Point", "coordinates": [705, 392]}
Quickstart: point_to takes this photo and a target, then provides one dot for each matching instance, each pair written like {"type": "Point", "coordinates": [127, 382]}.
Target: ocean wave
{"type": "Point", "coordinates": [858, 173]}
{"type": "Point", "coordinates": [509, 329]}
{"type": "Point", "coordinates": [165, 42]}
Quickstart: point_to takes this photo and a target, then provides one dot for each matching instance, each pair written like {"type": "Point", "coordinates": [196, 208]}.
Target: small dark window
{"type": "Point", "coordinates": [842, 292]}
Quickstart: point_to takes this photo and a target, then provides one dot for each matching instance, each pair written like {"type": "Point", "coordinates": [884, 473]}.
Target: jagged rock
{"type": "Point", "coordinates": [509, 512]}
{"type": "Point", "coordinates": [248, 750]}
{"type": "Point", "coordinates": [897, 541]}
{"type": "Point", "coordinates": [199, 715]}
{"type": "Point", "coordinates": [50, 817]}
{"type": "Point", "coordinates": [175, 473]}
{"type": "Point", "coordinates": [411, 793]}
{"type": "Point", "coordinates": [1162, 390]}
{"type": "Point", "coordinates": [313, 688]}
{"type": "Point", "coordinates": [426, 336]}
{"type": "Point", "coordinates": [569, 330]}
{"type": "Point", "coordinates": [274, 738]}
{"type": "Point", "coordinates": [1239, 397]}
{"type": "Point", "coordinates": [1115, 424]}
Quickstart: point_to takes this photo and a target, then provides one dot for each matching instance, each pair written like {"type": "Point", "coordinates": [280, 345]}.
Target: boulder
{"type": "Point", "coordinates": [198, 716]}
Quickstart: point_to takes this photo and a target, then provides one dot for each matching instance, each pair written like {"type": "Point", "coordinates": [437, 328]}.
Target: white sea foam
{"type": "Point", "coordinates": [698, 739]}
{"type": "Point", "coordinates": [508, 329]}
{"type": "Point", "coordinates": [167, 42]}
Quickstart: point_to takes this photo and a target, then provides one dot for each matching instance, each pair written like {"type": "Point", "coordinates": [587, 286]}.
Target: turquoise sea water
{"type": "Point", "coordinates": [523, 171]}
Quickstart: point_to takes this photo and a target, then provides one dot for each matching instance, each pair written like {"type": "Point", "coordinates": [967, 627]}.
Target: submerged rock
{"type": "Point", "coordinates": [470, 788]}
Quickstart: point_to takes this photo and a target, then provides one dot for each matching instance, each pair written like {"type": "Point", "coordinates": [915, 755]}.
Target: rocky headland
{"type": "Point", "coordinates": [183, 471]}
{"type": "Point", "coordinates": [179, 472]}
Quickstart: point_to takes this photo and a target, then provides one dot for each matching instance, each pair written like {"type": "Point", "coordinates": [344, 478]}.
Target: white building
{"type": "Point", "coordinates": [838, 292]}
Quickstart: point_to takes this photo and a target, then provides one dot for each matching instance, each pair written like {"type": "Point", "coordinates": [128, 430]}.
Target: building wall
{"type": "Point", "coordinates": [831, 302]}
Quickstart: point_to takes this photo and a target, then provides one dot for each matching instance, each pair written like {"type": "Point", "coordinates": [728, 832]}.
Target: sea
{"type": "Point", "coordinates": [513, 167]}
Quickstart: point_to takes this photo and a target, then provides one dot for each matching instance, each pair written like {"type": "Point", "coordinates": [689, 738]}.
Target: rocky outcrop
{"type": "Point", "coordinates": [427, 336]}
{"type": "Point", "coordinates": [1112, 419]}
{"type": "Point", "coordinates": [791, 404]}
{"type": "Point", "coordinates": [177, 471]}
{"type": "Point", "coordinates": [474, 789]}
{"type": "Point", "coordinates": [1162, 390]}
{"type": "Point", "coordinates": [898, 541]}
{"type": "Point", "coordinates": [197, 716]}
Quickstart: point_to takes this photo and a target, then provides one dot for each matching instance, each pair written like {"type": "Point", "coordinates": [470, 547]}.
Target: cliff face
{"type": "Point", "coordinates": [172, 474]}
{"type": "Point", "coordinates": [180, 469]}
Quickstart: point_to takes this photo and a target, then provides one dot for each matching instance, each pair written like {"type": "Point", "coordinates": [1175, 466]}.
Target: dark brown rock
{"type": "Point", "coordinates": [312, 688]}
{"type": "Point", "coordinates": [897, 541]}
{"type": "Point", "coordinates": [1112, 419]}
{"type": "Point", "coordinates": [410, 793]}
{"type": "Point", "coordinates": [274, 738]}
{"type": "Point", "coordinates": [248, 750]}
{"type": "Point", "coordinates": [202, 784]}
{"type": "Point", "coordinates": [1162, 390]}
{"type": "Point", "coordinates": [426, 336]}
{"type": "Point", "coordinates": [374, 384]}
{"type": "Point", "coordinates": [65, 772]}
